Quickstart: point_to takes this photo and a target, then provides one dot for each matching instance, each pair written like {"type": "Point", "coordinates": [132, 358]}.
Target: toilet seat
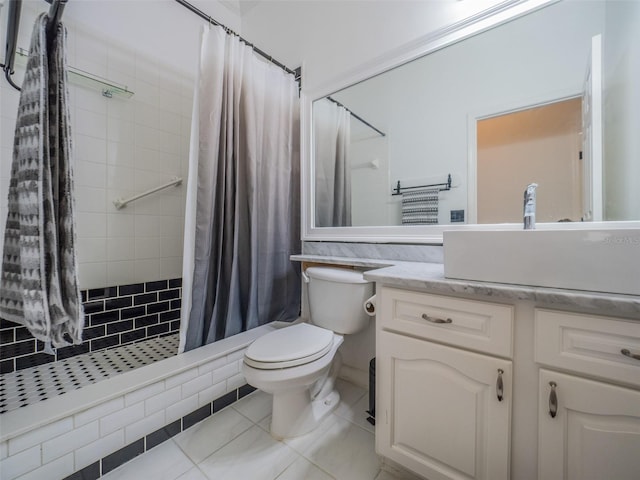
{"type": "Point", "coordinates": [289, 347]}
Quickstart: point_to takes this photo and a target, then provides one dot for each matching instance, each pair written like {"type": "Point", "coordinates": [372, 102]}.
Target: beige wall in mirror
{"type": "Point", "coordinates": [542, 143]}
{"type": "Point", "coordinates": [419, 123]}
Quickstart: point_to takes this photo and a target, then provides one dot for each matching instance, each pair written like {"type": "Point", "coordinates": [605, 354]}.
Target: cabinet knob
{"type": "Point", "coordinates": [435, 319]}
{"type": "Point", "coordinates": [500, 385]}
{"type": "Point", "coordinates": [553, 400]}
{"type": "Point", "coordinates": [627, 353]}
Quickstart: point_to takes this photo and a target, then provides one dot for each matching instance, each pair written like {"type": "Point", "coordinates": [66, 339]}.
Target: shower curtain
{"type": "Point", "coordinates": [332, 133]}
{"type": "Point", "coordinates": [242, 215]}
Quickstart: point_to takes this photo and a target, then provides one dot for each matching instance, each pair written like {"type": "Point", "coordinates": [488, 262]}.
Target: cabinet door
{"type": "Point", "coordinates": [438, 411]}
{"type": "Point", "coordinates": [595, 433]}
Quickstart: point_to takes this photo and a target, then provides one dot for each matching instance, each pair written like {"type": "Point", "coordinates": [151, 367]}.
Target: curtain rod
{"type": "Point", "coordinates": [55, 12]}
{"type": "Point", "coordinates": [13, 26]}
{"type": "Point", "coordinates": [296, 73]}
{"type": "Point", "coordinates": [357, 117]}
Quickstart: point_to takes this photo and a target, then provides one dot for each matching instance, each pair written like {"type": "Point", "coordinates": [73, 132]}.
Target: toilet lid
{"type": "Point", "coordinates": [289, 346]}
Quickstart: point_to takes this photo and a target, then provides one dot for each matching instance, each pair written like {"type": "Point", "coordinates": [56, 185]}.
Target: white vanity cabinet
{"type": "Point", "coordinates": [588, 429]}
{"type": "Point", "coordinates": [570, 407]}
{"type": "Point", "coordinates": [443, 410]}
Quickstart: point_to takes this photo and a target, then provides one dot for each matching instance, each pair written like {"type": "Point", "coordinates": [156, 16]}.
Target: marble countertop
{"type": "Point", "coordinates": [430, 276]}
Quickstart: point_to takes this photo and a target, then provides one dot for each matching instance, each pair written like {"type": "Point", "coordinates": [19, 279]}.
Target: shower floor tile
{"type": "Point", "coordinates": [31, 385]}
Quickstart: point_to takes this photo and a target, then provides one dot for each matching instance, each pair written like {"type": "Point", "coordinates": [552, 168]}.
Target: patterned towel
{"type": "Point", "coordinates": [39, 284]}
{"type": "Point", "coordinates": [420, 207]}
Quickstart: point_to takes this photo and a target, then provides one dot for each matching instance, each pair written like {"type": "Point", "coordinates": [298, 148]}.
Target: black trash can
{"type": "Point", "coordinates": [372, 392]}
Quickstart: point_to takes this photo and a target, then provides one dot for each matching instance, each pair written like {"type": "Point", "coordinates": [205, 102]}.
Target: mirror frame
{"type": "Point", "coordinates": [432, 234]}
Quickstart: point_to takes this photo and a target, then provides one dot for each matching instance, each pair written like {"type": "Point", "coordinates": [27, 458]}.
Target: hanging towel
{"type": "Point", "coordinates": [420, 207]}
{"type": "Point", "coordinates": [39, 284]}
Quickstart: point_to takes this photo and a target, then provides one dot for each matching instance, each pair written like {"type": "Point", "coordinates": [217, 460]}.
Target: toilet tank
{"type": "Point", "coordinates": [336, 299]}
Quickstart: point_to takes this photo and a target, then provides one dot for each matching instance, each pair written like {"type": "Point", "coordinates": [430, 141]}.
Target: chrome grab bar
{"type": "Point", "coordinates": [121, 203]}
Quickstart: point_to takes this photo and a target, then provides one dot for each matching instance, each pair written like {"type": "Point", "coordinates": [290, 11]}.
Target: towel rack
{"type": "Point", "coordinates": [121, 203]}
{"type": "Point", "coordinates": [445, 186]}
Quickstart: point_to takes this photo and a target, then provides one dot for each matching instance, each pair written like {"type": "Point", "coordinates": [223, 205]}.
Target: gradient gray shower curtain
{"type": "Point", "coordinates": [332, 133]}
{"type": "Point", "coordinates": [242, 215]}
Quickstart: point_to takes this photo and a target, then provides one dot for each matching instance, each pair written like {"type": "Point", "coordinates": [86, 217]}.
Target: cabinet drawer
{"type": "Point", "coordinates": [588, 344]}
{"type": "Point", "coordinates": [485, 327]}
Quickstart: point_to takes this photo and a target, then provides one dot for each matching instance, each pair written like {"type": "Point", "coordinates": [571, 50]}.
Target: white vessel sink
{"type": "Point", "coordinates": [594, 260]}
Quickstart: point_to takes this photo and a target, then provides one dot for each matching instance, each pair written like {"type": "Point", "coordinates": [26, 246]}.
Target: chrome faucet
{"type": "Point", "coordinates": [530, 207]}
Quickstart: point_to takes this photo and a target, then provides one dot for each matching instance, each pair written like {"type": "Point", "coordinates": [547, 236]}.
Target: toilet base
{"type": "Point", "coordinates": [294, 415]}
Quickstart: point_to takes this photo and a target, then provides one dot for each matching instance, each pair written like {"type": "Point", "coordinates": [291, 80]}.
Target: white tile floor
{"type": "Point", "coordinates": [235, 444]}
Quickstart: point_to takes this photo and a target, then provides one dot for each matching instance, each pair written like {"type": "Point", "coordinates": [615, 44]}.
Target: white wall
{"type": "Point", "coordinates": [123, 147]}
{"type": "Point", "coordinates": [330, 38]}
{"type": "Point", "coordinates": [621, 111]}
{"type": "Point", "coordinates": [369, 180]}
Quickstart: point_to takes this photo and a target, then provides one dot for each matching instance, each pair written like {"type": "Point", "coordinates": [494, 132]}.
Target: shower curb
{"type": "Point", "coordinates": [146, 443]}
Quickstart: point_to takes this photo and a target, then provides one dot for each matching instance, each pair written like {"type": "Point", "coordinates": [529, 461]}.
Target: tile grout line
{"type": "Point", "coordinates": [100, 365]}
{"type": "Point", "coordinates": [86, 474]}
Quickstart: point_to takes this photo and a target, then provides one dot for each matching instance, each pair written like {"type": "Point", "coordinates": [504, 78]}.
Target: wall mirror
{"type": "Point", "coordinates": [451, 138]}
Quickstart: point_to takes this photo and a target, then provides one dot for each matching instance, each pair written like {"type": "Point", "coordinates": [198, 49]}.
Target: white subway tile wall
{"type": "Point", "coordinates": [122, 147]}
{"type": "Point", "coordinates": [152, 414]}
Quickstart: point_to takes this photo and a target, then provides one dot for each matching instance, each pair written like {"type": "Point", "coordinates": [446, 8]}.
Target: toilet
{"type": "Point", "coordinates": [298, 364]}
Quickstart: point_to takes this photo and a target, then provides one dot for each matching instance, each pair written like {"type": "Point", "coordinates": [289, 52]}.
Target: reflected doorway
{"type": "Point", "coordinates": [539, 145]}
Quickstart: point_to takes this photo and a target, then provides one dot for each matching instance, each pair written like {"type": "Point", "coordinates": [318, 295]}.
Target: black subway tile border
{"type": "Point", "coordinates": [114, 316]}
{"type": "Point", "coordinates": [7, 366]}
{"type": "Point", "coordinates": [104, 317]}
{"type": "Point", "coordinates": [155, 286]}
{"type": "Point", "coordinates": [142, 445]}
{"type": "Point", "coordinates": [33, 360]}
{"type": "Point", "coordinates": [146, 320]}
{"type": "Point", "coordinates": [118, 302]}
{"type": "Point", "coordinates": [224, 401]}
{"type": "Point", "coordinates": [131, 451]}
{"type": "Point", "coordinates": [92, 472]}
{"type": "Point", "coordinates": [162, 435]}
{"type": "Point", "coordinates": [196, 416]}
{"type": "Point", "coordinates": [145, 298]}
{"type": "Point", "coordinates": [133, 312]}
{"type": "Point", "coordinates": [158, 307]}
{"type": "Point", "coordinates": [97, 293]}
{"type": "Point", "coordinates": [170, 315]}
{"type": "Point", "coordinates": [7, 336]}
{"type": "Point", "coordinates": [133, 336]}
{"type": "Point", "coordinates": [23, 334]}
{"type": "Point", "coordinates": [168, 294]}
{"type": "Point", "coordinates": [245, 390]}
{"type": "Point", "coordinates": [93, 307]}
{"type": "Point", "coordinates": [158, 329]}
{"type": "Point", "coordinates": [131, 289]}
